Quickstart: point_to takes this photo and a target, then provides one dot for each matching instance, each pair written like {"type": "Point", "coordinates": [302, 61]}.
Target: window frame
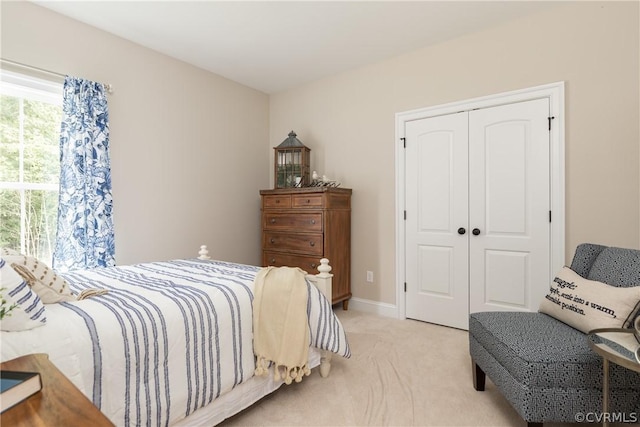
{"type": "Point", "coordinates": [26, 87]}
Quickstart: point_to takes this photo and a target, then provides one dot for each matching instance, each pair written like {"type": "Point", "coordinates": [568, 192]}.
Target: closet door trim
{"type": "Point", "coordinates": [555, 93]}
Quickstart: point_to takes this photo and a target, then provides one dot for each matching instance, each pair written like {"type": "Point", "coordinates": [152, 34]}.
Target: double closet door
{"type": "Point", "coordinates": [477, 229]}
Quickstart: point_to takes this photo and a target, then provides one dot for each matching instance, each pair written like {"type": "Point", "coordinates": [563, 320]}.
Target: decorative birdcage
{"type": "Point", "coordinates": [292, 163]}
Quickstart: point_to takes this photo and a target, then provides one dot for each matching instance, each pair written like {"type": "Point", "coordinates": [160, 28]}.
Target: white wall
{"type": "Point", "coordinates": [188, 147]}
{"type": "Point", "coordinates": [348, 121]}
{"type": "Point", "coordinates": [190, 150]}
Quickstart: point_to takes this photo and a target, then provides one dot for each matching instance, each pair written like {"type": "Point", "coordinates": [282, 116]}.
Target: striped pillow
{"type": "Point", "coordinates": [50, 287]}
{"type": "Point", "coordinates": [28, 312]}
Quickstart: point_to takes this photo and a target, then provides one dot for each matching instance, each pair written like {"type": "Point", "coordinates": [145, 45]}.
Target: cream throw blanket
{"type": "Point", "coordinates": [280, 323]}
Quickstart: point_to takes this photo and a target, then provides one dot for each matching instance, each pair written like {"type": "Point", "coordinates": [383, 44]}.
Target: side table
{"type": "Point", "coordinates": [616, 345]}
{"type": "Point", "coordinates": [59, 403]}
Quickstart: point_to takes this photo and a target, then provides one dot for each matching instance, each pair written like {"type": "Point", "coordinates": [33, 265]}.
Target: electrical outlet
{"type": "Point", "coordinates": [370, 276]}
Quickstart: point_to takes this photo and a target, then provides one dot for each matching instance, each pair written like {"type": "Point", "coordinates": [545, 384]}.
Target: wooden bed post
{"type": "Point", "coordinates": [203, 253]}
{"type": "Point", "coordinates": [323, 281]}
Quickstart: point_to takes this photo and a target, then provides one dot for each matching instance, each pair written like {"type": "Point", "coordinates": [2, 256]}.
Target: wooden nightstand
{"type": "Point", "coordinates": [59, 403]}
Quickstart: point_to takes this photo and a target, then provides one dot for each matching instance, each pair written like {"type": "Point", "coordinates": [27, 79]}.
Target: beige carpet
{"type": "Point", "coordinates": [401, 373]}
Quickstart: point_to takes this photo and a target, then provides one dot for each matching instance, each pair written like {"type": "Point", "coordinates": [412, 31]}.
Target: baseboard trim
{"type": "Point", "coordinates": [374, 307]}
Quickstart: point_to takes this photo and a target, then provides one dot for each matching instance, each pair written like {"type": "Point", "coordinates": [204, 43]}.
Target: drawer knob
{"type": "Point", "coordinates": [308, 201]}
{"type": "Point", "coordinates": [272, 240]}
{"type": "Point", "coordinates": [273, 260]}
{"type": "Point", "coordinates": [312, 243]}
{"type": "Point", "coordinates": [277, 200]}
{"type": "Point", "coordinates": [273, 220]}
{"type": "Point", "coordinates": [313, 221]}
{"type": "Point", "coordinates": [313, 265]}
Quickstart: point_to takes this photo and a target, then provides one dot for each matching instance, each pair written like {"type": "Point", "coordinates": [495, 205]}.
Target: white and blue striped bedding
{"type": "Point", "coordinates": [167, 339]}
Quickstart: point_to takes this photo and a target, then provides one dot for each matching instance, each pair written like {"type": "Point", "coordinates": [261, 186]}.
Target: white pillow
{"type": "Point", "coordinates": [50, 287]}
{"type": "Point", "coordinates": [29, 311]}
{"type": "Point", "coordinates": [588, 304]}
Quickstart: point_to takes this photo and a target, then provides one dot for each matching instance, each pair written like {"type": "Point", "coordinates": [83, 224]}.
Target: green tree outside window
{"type": "Point", "coordinates": [30, 169]}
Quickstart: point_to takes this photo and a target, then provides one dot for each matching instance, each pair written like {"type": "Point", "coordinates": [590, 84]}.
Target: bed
{"type": "Point", "coordinates": [169, 343]}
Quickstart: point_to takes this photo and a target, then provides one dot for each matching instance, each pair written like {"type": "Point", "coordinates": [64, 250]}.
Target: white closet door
{"type": "Point", "coordinates": [509, 206]}
{"type": "Point", "coordinates": [437, 277]}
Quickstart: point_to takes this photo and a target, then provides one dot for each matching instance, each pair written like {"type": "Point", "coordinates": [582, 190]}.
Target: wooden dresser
{"type": "Point", "coordinates": [302, 225]}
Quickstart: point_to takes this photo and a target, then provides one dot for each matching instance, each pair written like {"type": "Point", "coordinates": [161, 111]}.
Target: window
{"type": "Point", "coordinates": [30, 115]}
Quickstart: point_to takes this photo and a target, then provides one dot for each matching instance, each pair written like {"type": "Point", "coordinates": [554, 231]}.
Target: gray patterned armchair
{"type": "Point", "coordinates": [544, 367]}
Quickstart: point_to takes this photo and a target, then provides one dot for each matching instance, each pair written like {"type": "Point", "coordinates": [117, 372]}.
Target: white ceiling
{"type": "Point", "coordinates": [275, 45]}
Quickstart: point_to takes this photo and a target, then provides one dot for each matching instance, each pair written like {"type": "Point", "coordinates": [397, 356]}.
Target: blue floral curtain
{"type": "Point", "coordinates": [84, 236]}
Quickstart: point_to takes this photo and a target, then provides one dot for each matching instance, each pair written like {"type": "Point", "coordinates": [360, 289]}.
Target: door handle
{"type": "Point", "coordinates": [476, 231]}
{"type": "Point", "coordinates": [461, 230]}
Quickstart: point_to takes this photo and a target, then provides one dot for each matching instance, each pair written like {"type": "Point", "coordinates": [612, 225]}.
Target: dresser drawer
{"type": "Point", "coordinates": [301, 243]}
{"type": "Point", "coordinates": [307, 201]}
{"type": "Point", "coordinates": [308, 264]}
{"type": "Point", "coordinates": [311, 221]}
{"type": "Point", "coordinates": [276, 201]}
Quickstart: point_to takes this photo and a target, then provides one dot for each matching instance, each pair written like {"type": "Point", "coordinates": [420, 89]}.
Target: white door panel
{"type": "Point", "coordinates": [435, 187]}
{"type": "Point", "coordinates": [506, 274]}
{"type": "Point", "coordinates": [437, 205]}
{"type": "Point", "coordinates": [509, 205]}
{"type": "Point", "coordinates": [488, 170]}
{"type": "Point", "coordinates": [435, 271]}
{"type": "Point", "coordinates": [505, 176]}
